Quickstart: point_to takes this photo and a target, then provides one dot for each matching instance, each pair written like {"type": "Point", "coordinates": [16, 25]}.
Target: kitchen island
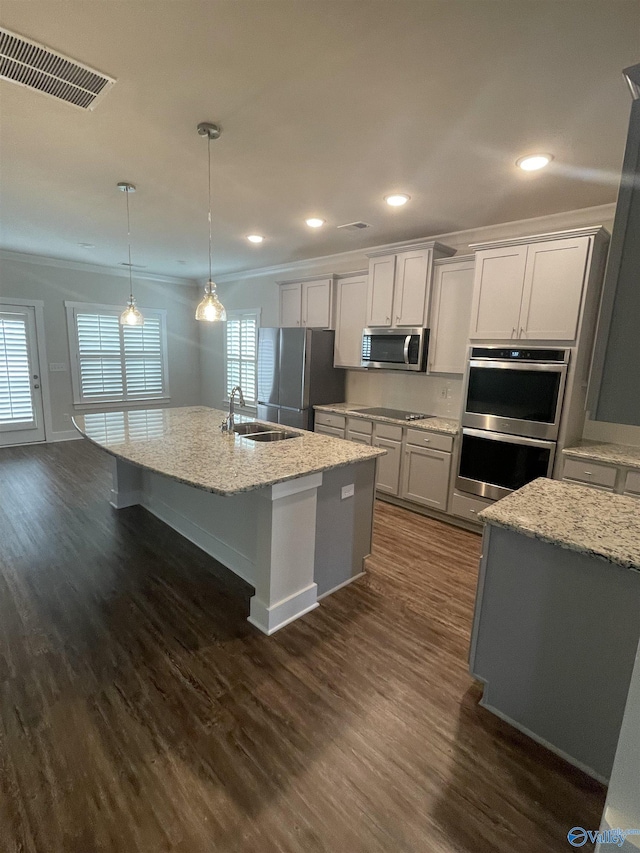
{"type": "Point", "coordinates": [557, 616]}
{"type": "Point", "coordinates": [293, 517]}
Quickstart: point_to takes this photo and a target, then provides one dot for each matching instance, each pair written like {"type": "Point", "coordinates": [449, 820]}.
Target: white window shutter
{"type": "Point", "coordinates": [15, 374]}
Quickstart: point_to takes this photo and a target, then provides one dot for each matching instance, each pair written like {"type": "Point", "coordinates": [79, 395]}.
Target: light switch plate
{"type": "Point", "coordinates": [55, 366]}
{"type": "Point", "coordinates": [348, 491]}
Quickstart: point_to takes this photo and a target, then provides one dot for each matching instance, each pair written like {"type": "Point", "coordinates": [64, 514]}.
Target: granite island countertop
{"type": "Point", "coordinates": [611, 454]}
{"type": "Point", "coordinates": [187, 445]}
{"type": "Point", "coordinates": [579, 518]}
{"type": "Point", "coordinates": [446, 426]}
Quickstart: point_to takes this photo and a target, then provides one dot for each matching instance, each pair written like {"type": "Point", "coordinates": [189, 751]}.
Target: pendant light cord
{"type": "Point", "coordinates": [209, 153]}
{"type": "Point", "coordinates": [129, 241]}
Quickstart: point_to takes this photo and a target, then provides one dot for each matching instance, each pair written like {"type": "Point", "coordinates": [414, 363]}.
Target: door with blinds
{"type": "Point", "coordinates": [21, 409]}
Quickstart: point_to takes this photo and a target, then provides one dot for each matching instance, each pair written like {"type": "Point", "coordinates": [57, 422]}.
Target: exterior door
{"type": "Point", "coordinates": [21, 408]}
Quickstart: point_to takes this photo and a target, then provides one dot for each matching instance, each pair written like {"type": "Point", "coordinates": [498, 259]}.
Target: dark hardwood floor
{"type": "Point", "coordinates": [139, 710]}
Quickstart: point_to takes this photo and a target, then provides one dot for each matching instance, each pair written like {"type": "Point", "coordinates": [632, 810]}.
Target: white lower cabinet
{"type": "Point", "coordinates": [334, 432]}
{"type": "Point", "coordinates": [388, 472]}
{"type": "Point", "coordinates": [618, 479]}
{"type": "Point", "coordinates": [425, 478]}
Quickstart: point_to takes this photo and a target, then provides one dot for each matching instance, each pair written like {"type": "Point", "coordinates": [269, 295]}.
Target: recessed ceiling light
{"type": "Point", "coordinates": [255, 238]}
{"type": "Point", "coordinates": [533, 162]}
{"type": "Point", "coordinates": [397, 199]}
{"type": "Point", "coordinates": [87, 245]}
{"type": "Point", "coordinates": [314, 222]}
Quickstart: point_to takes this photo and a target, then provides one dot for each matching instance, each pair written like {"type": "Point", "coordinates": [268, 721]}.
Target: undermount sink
{"type": "Point", "coordinates": [246, 428]}
{"type": "Point", "coordinates": [261, 432]}
{"type": "Point", "coordinates": [271, 435]}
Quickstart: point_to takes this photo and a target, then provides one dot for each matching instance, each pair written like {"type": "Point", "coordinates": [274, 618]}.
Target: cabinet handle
{"type": "Point", "coordinates": [472, 511]}
{"type": "Point", "coordinates": [522, 331]}
{"type": "Point", "coordinates": [513, 332]}
{"type": "Point", "coordinates": [397, 319]}
{"type": "Point", "coordinates": [388, 319]}
{"type": "Point", "coordinates": [426, 440]}
{"type": "Point", "coordinates": [588, 473]}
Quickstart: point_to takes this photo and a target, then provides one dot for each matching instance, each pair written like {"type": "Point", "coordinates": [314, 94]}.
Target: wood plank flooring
{"type": "Point", "coordinates": [141, 713]}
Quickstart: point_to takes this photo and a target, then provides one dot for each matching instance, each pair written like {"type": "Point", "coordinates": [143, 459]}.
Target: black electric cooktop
{"type": "Point", "coordinates": [399, 414]}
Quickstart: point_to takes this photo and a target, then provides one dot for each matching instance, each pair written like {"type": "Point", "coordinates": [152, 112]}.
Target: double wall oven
{"type": "Point", "coordinates": [511, 417]}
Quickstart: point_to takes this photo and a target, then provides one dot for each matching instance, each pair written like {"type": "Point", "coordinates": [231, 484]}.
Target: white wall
{"type": "Point", "coordinates": [53, 282]}
{"type": "Point", "coordinates": [258, 288]}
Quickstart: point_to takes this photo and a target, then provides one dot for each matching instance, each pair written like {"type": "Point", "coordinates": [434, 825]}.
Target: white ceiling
{"type": "Point", "coordinates": [326, 106]}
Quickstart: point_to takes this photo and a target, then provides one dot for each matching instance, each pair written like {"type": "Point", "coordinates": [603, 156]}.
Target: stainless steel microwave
{"type": "Point", "coordinates": [395, 349]}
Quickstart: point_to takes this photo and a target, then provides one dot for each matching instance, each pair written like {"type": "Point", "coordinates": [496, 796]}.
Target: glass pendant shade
{"type": "Point", "coordinates": [210, 308]}
{"type": "Point", "coordinates": [131, 316]}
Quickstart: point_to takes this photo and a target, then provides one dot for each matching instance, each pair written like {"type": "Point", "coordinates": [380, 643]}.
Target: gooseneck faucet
{"type": "Point", "coordinates": [229, 422]}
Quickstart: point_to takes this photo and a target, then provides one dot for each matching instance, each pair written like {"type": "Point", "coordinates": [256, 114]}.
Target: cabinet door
{"type": "Point", "coordinates": [290, 304]}
{"type": "Point", "coordinates": [316, 304]}
{"type": "Point", "coordinates": [380, 296]}
{"type": "Point", "coordinates": [351, 318]}
{"type": "Point", "coordinates": [553, 281]}
{"type": "Point", "coordinates": [358, 437]}
{"type": "Point", "coordinates": [388, 468]}
{"type": "Point", "coordinates": [334, 432]}
{"type": "Point", "coordinates": [426, 476]}
{"type": "Point", "coordinates": [410, 295]}
{"type": "Point", "coordinates": [497, 293]}
{"type": "Point", "coordinates": [450, 316]}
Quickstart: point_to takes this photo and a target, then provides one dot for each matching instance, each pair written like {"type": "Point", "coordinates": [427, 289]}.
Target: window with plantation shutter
{"type": "Point", "coordinates": [16, 404]}
{"type": "Point", "coordinates": [241, 349]}
{"type": "Point", "coordinates": [115, 363]}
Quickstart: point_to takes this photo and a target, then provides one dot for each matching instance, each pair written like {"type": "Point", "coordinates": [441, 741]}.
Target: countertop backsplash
{"type": "Point", "coordinates": [398, 390]}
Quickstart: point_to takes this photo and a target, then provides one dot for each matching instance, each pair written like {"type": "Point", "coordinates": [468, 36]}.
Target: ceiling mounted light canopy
{"type": "Point", "coordinates": [397, 199]}
{"type": "Point", "coordinates": [533, 162]}
{"type": "Point", "coordinates": [314, 222]}
{"type": "Point", "coordinates": [210, 309]}
{"type": "Point", "coordinates": [130, 316]}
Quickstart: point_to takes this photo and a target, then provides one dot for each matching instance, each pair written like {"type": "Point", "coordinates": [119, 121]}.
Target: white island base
{"type": "Point", "coordinates": [294, 541]}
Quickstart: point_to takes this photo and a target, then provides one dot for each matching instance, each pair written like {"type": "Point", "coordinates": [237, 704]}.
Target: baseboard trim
{"type": "Point", "coordinates": [271, 619]}
{"type": "Point", "coordinates": [64, 435]}
{"type": "Point", "coordinates": [341, 585]}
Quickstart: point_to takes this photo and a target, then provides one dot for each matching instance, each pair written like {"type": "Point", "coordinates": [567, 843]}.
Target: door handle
{"type": "Point", "coordinates": [36, 386]}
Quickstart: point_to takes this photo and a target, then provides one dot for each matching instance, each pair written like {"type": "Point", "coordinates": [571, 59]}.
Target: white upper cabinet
{"type": "Point", "coordinates": [410, 290]}
{"type": "Point", "coordinates": [399, 285]}
{"type": "Point", "coordinates": [290, 304]}
{"type": "Point", "coordinates": [306, 303]}
{"type": "Point", "coordinates": [380, 299]}
{"type": "Point", "coordinates": [497, 292]}
{"type": "Point", "coordinates": [450, 314]}
{"type": "Point", "coordinates": [351, 318]}
{"type": "Point", "coordinates": [530, 291]}
{"type": "Point", "coordinates": [552, 292]}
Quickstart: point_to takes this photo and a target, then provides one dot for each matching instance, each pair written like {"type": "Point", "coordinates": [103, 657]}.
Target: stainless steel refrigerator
{"type": "Point", "coordinates": [295, 373]}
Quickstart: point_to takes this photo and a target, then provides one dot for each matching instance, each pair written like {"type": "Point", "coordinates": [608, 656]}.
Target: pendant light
{"type": "Point", "coordinates": [130, 316]}
{"type": "Point", "coordinates": [210, 308]}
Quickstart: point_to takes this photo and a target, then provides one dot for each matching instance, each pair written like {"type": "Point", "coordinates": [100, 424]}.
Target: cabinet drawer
{"type": "Point", "coordinates": [334, 432]}
{"type": "Point", "coordinates": [329, 419]}
{"type": "Point", "coordinates": [467, 507]}
{"type": "Point", "coordinates": [359, 437]}
{"type": "Point", "coordinates": [358, 425]}
{"type": "Point", "coordinates": [389, 431]}
{"type": "Point", "coordinates": [590, 472]}
{"type": "Point", "coordinates": [632, 483]}
{"type": "Point", "coordinates": [434, 440]}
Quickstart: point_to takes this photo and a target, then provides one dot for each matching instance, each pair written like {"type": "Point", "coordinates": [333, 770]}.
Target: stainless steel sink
{"type": "Point", "coordinates": [251, 427]}
{"type": "Point", "coordinates": [271, 435]}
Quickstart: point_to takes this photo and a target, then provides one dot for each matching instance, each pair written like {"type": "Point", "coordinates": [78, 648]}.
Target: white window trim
{"type": "Point", "coordinates": [74, 356]}
{"type": "Point", "coordinates": [232, 315]}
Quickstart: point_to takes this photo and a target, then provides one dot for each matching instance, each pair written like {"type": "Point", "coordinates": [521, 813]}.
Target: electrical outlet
{"type": "Point", "coordinates": [443, 392]}
{"type": "Point", "coordinates": [348, 491]}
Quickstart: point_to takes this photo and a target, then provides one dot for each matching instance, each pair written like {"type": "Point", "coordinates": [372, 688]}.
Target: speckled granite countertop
{"type": "Point", "coordinates": [579, 518]}
{"type": "Point", "coordinates": [612, 454]}
{"type": "Point", "coordinates": [447, 426]}
{"type": "Point", "coordinates": [187, 445]}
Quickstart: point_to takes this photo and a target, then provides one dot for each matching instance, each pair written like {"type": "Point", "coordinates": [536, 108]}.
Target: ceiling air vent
{"type": "Point", "coordinates": [353, 226]}
{"type": "Point", "coordinates": [37, 67]}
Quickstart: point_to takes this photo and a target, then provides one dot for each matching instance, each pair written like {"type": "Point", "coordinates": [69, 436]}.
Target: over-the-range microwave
{"type": "Point", "coordinates": [395, 349]}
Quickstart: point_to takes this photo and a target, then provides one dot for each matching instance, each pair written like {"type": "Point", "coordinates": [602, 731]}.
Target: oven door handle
{"type": "Point", "coordinates": [533, 366]}
{"type": "Point", "coordinates": [407, 341]}
{"type": "Point", "coordinates": [507, 438]}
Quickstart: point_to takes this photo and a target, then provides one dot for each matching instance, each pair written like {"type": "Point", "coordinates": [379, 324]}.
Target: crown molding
{"type": "Point", "coordinates": [84, 266]}
{"type": "Point", "coordinates": [596, 231]}
{"type": "Point", "coordinates": [583, 217]}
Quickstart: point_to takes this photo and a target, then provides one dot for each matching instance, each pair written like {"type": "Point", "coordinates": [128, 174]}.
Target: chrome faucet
{"type": "Point", "coordinates": [229, 422]}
